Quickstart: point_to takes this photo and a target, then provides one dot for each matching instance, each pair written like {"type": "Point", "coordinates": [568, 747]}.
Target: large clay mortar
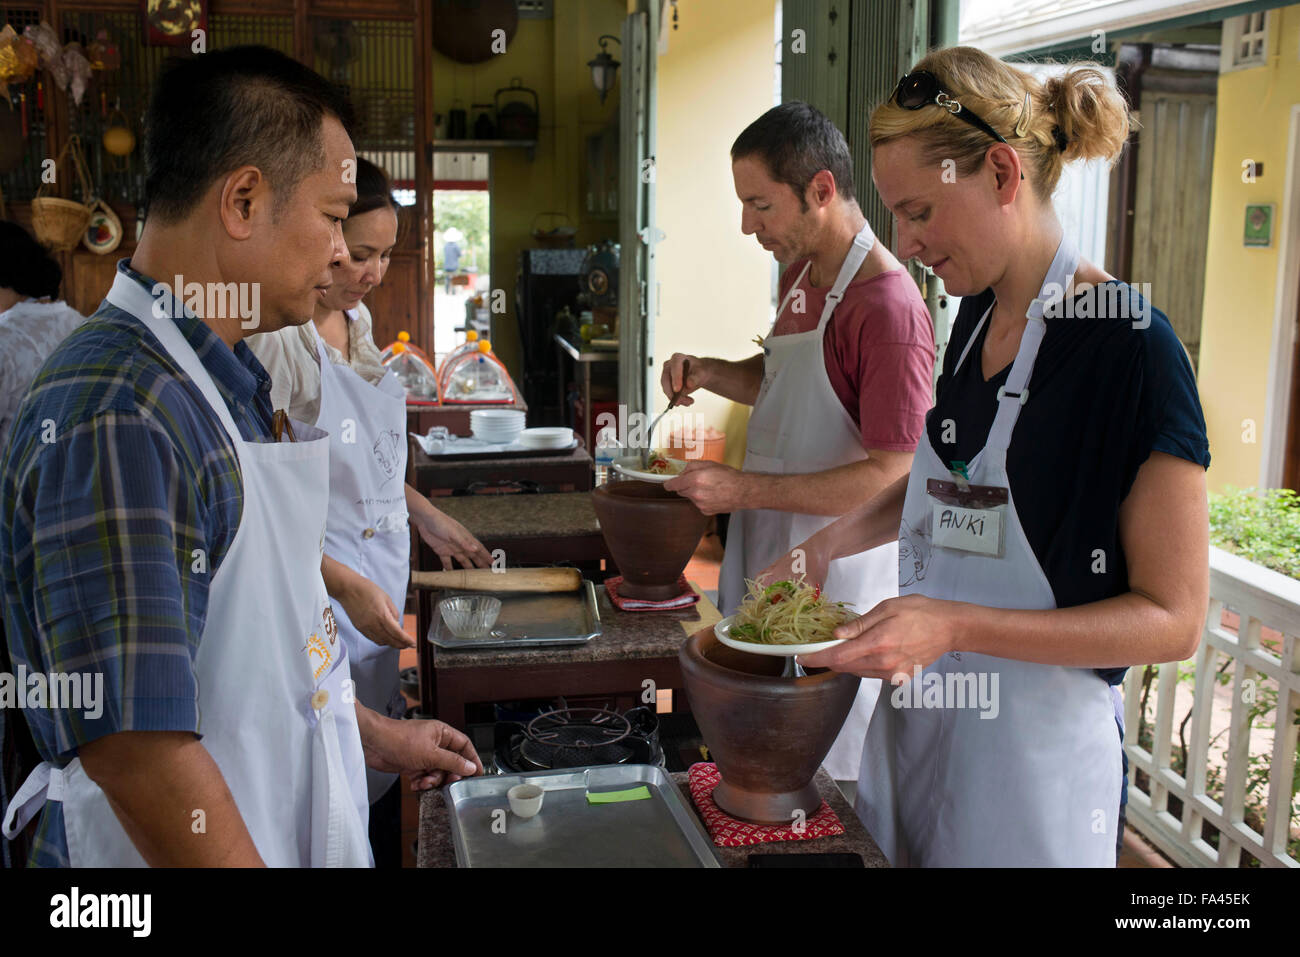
{"type": "Point", "coordinates": [768, 734]}
{"type": "Point", "coordinates": [651, 533]}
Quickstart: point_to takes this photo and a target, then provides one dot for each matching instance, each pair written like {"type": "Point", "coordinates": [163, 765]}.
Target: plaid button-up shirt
{"type": "Point", "coordinates": [119, 495]}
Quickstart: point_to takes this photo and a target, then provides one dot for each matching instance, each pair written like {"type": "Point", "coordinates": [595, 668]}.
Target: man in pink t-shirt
{"type": "Point", "coordinates": [842, 386]}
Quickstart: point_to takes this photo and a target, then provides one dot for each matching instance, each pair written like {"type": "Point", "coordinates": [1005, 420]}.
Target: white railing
{"type": "Point", "coordinates": [1264, 600]}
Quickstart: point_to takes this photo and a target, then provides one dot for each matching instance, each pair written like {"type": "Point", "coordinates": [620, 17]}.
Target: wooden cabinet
{"type": "Point", "coordinates": [394, 303]}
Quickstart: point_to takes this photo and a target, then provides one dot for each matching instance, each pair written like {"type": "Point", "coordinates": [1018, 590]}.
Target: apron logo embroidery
{"type": "Point", "coordinates": [385, 450]}
{"type": "Point", "coordinates": [315, 646]}
{"type": "Point", "coordinates": [913, 556]}
{"type": "Point", "coordinates": [331, 625]}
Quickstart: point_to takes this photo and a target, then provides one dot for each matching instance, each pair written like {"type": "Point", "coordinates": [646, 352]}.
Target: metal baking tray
{"type": "Point", "coordinates": [529, 620]}
{"type": "Point", "coordinates": [568, 832]}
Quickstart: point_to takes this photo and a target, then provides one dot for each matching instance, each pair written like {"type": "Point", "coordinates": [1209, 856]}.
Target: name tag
{"type": "Point", "coordinates": [967, 529]}
{"type": "Point", "coordinates": [967, 518]}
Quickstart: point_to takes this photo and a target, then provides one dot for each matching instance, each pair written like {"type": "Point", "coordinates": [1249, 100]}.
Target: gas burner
{"type": "Point", "coordinates": [578, 737]}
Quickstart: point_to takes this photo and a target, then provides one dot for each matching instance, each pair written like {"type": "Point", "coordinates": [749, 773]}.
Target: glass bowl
{"type": "Point", "coordinates": [470, 616]}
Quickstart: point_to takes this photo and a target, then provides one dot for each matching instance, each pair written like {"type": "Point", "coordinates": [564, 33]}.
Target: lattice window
{"type": "Point", "coordinates": [20, 184]}
{"type": "Point", "coordinates": [121, 179]}
{"type": "Point", "coordinates": [374, 62]}
{"type": "Point", "coordinates": [1245, 41]}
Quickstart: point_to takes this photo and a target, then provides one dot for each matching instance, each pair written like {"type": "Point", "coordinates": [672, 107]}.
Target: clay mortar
{"type": "Point", "coordinates": [651, 533]}
{"type": "Point", "coordinates": [767, 734]}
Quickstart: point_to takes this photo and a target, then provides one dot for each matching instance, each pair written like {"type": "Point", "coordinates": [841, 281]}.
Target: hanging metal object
{"type": "Point", "coordinates": [604, 68]}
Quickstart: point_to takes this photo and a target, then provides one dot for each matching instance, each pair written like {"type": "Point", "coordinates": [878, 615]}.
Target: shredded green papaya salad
{"type": "Point", "coordinates": [788, 613]}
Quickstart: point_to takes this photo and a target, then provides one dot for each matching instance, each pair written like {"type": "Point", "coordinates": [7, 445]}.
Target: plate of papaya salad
{"type": "Point", "coordinates": [785, 618]}
{"type": "Point", "coordinates": [660, 469]}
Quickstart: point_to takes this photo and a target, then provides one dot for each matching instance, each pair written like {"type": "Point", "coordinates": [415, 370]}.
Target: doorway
{"type": "Point", "coordinates": [1291, 459]}
{"type": "Point", "coordinates": [462, 248]}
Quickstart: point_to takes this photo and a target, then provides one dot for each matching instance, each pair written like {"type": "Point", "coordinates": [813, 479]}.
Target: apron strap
{"type": "Point", "coordinates": [44, 783]}
{"type": "Point", "coordinates": [129, 296]}
{"type": "Point", "coordinates": [1015, 393]}
{"type": "Point", "coordinates": [973, 336]}
{"type": "Point", "coordinates": [857, 254]}
{"type": "Point", "coordinates": [321, 352]}
{"type": "Point", "coordinates": [789, 293]}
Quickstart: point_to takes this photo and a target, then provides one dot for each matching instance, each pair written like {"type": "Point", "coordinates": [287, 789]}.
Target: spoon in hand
{"type": "Point", "coordinates": [649, 445]}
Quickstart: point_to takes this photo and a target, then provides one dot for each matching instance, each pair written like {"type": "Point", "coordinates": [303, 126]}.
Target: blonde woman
{"type": "Point", "coordinates": [1053, 529]}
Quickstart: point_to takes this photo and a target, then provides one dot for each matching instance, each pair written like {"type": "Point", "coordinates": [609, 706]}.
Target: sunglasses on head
{"type": "Point", "coordinates": [922, 88]}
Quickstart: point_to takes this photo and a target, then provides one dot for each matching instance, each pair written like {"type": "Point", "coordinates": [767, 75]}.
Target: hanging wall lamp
{"type": "Point", "coordinates": [604, 68]}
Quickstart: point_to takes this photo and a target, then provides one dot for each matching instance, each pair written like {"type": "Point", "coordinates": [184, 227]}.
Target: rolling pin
{"type": "Point", "coordinates": [510, 579]}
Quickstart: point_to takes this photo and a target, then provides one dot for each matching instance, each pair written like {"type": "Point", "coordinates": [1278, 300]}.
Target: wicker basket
{"type": "Point", "coordinates": [60, 223]}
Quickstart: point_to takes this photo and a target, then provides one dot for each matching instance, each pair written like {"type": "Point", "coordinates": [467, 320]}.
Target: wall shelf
{"type": "Point", "coordinates": [483, 146]}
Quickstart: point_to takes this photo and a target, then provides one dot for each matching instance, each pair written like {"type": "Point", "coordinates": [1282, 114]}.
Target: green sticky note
{"type": "Point", "coordinates": [641, 793]}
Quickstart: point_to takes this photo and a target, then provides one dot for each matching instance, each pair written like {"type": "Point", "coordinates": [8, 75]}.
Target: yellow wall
{"type": "Point", "coordinates": [1254, 109]}
{"type": "Point", "coordinates": [715, 79]}
{"type": "Point", "coordinates": [549, 56]}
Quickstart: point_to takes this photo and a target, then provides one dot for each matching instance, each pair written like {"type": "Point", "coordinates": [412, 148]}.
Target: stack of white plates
{"type": "Point", "coordinates": [496, 426]}
{"type": "Point", "coordinates": [551, 438]}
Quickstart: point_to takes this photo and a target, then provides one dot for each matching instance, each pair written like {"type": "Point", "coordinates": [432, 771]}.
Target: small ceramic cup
{"type": "Point", "coordinates": [525, 800]}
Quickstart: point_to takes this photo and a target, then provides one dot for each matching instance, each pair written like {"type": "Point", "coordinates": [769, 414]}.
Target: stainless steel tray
{"type": "Point", "coordinates": [568, 832]}
{"type": "Point", "coordinates": [529, 619]}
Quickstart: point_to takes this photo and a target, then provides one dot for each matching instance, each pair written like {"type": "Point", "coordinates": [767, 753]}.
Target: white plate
{"type": "Point", "coordinates": [498, 416]}
{"type": "Point", "coordinates": [630, 466]}
{"type": "Point", "coordinates": [546, 438]}
{"type": "Point", "coordinates": [723, 630]}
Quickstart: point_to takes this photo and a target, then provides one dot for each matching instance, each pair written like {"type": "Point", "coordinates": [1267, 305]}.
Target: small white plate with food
{"type": "Point", "coordinates": [660, 470]}
{"type": "Point", "coordinates": [784, 619]}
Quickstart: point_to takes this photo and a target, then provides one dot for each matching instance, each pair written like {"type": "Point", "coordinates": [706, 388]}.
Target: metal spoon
{"type": "Point", "coordinates": [649, 445]}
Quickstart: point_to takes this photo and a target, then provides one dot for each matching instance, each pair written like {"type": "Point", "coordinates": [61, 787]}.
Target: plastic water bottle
{"type": "Point", "coordinates": [607, 449]}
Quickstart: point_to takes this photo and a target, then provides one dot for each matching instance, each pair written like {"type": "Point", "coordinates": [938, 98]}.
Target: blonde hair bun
{"type": "Point", "coordinates": [1090, 113]}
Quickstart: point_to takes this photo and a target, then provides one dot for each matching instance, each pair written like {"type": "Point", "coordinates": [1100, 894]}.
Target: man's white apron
{"type": "Point", "coordinates": [275, 694]}
{"type": "Point", "coordinates": [800, 426]}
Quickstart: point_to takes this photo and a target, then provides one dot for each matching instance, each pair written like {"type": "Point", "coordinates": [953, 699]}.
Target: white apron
{"type": "Point", "coordinates": [274, 691]}
{"type": "Point", "coordinates": [1037, 785]}
{"type": "Point", "coordinates": [368, 527]}
{"type": "Point", "coordinates": [799, 425]}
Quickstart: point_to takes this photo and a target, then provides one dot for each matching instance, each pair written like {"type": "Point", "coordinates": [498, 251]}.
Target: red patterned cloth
{"type": "Point", "coordinates": [726, 831]}
{"type": "Point", "coordinates": [685, 598]}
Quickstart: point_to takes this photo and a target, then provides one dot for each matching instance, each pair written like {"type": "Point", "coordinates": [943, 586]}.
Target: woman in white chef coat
{"type": "Point", "coordinates": [1053, 529]}
{"type": "Point", "coordinates": [328, 372]}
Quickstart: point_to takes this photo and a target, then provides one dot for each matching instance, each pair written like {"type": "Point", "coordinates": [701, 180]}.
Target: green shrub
{"type": "Point", "coordinates": [1261, 526]}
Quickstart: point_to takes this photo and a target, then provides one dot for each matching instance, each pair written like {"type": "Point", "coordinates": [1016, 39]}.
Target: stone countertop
{"type": "Point", "coordinates": [436, 848]}
{"type": "Point", "coordinates": [496, 517]}
{"type": "Point", "coordinates": [625, 635]}
{"type": "Point", "coordinates": [420, 461]}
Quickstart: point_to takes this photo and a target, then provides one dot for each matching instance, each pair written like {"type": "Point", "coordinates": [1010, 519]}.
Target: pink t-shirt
{"type": "Point", "coordinates": [879, 348]}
